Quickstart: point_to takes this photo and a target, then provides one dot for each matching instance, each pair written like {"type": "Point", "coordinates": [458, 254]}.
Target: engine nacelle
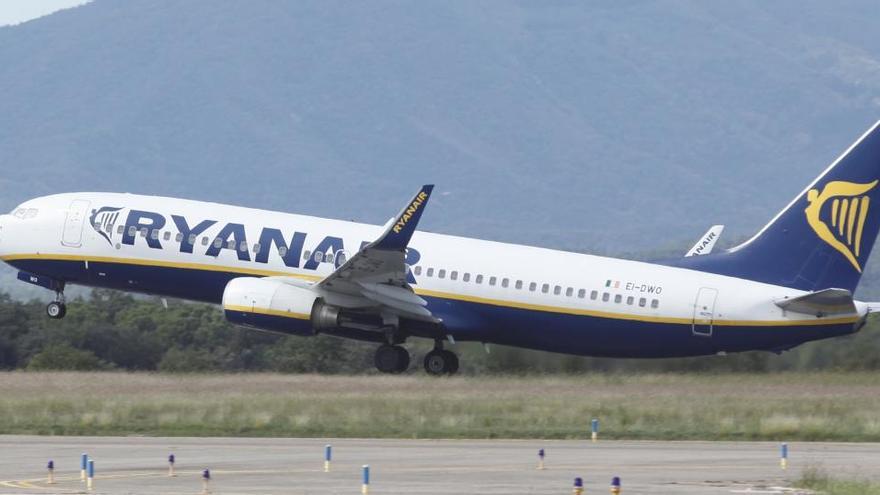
{"type": "Point", "coordinates": [274, 305]}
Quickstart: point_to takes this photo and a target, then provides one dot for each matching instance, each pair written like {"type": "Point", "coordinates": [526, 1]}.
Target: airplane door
{"type": "Point", "coordinates": [704, 312]}
{"type": "Point", "coordinates": [73, 224]}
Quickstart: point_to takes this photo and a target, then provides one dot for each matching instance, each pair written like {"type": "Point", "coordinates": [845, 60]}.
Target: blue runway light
{"type": "Point", "coordinates": [328, 455]}
{"type": "Point", "coordinates": [171, 465]}
{"type": "Point", "coordinates": [595, 427]}
{"type": "Point", "coordinates": [578, 486]}
{"type": "Point", "coordinates": [365, 488]}
{"type": "Point", "coordinates": [206, 474]}
{"type": "Point", "coordinates": [541, 459]}
{"type": "Point", "coordinates": [615, 485]}
{"type": "Point", "coordinates": [83, 464]}
{"type": "Point", "coordinates": [783, 456]}
{"type": "Point", "coordinates": [91, 479]}
{"type": "Point", "coordinates": [51, 477]}
{"type": "Point", "coordinates": [51, 464]}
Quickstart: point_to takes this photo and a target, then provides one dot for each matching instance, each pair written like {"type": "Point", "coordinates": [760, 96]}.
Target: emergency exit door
{"type": "Point", "coordinates": [73, 224]}
{"type": "Point", "coordinates": [704, 312]}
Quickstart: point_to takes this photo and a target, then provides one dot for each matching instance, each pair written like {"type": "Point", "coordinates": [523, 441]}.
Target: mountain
{"type": "Point", "coordinates": [610, 127]}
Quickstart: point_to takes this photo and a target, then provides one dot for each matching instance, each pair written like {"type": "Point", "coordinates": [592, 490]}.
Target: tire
{"type": "Point", "coordinates": [391, 359]}
{"type": "Point", "coordinates": [452, 367]}
{"type": "Point", "coordinates": [436, 362]}
{"type": "Point", "coordinates": [403, 359]}
{"type": "Point", "coordinates": [56, 310]}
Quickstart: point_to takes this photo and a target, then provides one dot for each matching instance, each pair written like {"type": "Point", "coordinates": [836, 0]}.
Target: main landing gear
{"type": "Point", "coordinates": [441, 362]}
{"type": "Point", "coordinates": [391, 358]}
{"type": "Point", "coordinates": [57, 309]}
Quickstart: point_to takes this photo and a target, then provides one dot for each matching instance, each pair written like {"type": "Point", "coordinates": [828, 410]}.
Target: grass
{"type": "Point", "coordinates": [821, 406]}
{"type": "Point", "coordinates": [816, 479]}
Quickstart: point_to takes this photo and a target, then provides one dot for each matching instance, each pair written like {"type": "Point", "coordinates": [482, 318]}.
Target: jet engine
{"type": "Point", "coordinates": [280, 306]}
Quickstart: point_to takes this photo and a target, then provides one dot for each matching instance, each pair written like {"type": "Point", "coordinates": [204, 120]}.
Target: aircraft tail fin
{"type": "Point", "coordinates": [824, 236]}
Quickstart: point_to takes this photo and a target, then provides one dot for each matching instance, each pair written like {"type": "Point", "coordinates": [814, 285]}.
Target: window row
{"type": "Point", "coordinates": [545, 288]}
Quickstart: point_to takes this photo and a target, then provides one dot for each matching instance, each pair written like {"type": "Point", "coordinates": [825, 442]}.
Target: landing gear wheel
{"type": "Point", "coordinates": [56, 310]}
{"type": "Point", "coordinates": [441, 362]}
{"type": "Point", "coordinates": [391, 359]}
{"type": "Point", "coordinates": [453, 362]}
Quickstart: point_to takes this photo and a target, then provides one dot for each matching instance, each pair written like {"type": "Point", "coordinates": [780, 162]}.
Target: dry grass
{"type": "Point", "coordinates": [825, 406]}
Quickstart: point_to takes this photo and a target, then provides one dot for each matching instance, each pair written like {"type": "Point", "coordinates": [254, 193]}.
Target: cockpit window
{"type": "Point", "coordinates": [31, 213]}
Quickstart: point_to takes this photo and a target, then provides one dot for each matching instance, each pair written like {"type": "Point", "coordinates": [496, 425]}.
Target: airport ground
{"type": "Point", "coordinates": [770, 407]}
{"type": "Point", "coordinates": [295, 466]}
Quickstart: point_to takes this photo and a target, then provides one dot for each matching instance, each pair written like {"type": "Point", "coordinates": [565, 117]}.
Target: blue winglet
{"type": "Point", "coordinates": [401, 229]}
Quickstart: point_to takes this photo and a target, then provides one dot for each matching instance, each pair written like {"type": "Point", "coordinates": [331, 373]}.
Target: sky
{"type": "Point", "coordinates": [18, 11]}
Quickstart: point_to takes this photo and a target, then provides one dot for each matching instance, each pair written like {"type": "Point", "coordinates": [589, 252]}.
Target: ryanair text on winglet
{"type": "Point", "coordinates": [410, 211]}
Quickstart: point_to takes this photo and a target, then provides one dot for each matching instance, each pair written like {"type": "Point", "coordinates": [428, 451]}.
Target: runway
{"type": "Point", "coordinates": [295, 466]}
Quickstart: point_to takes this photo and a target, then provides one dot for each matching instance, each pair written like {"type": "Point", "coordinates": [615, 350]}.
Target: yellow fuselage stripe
{"type": "Point", "coordinates": [430, 293]}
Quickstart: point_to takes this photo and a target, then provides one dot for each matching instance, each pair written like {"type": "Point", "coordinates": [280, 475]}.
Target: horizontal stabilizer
{"type": "Point", "coordinates": [821, 303]}
{"type": "Point", "coordinates": [707, 242]}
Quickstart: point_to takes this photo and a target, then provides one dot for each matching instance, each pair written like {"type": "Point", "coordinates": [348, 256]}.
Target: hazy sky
{"type": "Point", "coordinates": [17, 11]}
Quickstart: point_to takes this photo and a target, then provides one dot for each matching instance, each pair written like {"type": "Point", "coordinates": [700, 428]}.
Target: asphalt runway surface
{"type": "Point", "coordinates": [295, 466]}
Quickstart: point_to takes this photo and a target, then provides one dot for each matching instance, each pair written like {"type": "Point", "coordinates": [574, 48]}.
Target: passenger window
{"type": "Point", "coordinates": [341, 256]}
{"type": "Point", "coordinates": [218, 242]}
{"type": "Point", "coordinates": [557, 290]}
{"type": "Point", "coordinates": [505, 282]}
{"type": "Point", "coordinates": [479, 279]}
{"type": "Point", "coordinates": [257, 248]}
{"type": "Point", "coordinates": [144, 232]}
{"type": "Point", "coordinates": [430, 272]}
{"type": "Point", "coordinates": [418, 270]}
{"type": "Point", "coordinates": [569, 292]}
{"type": "Point", "coordinates": [594, 294]}
{"type": "Point", "coordinates": [282, 251]}
{"type": "Point", "coordinates": [319, 256]}
{"type": "Point", "coordinates": [167, 236]}
{"type": "Point", "coordinates": [230, 244]}
{"type": "Point", "coordinates": [204, 241]}
{"type": "Point", "coordinates": [306, 254]}
{"type": "Point", "coordinates": [154, 234]}
{"type": "Point", "coordinates": [642, 302]}
{"type": "Point", "coordinates": [518, 284]}
{"type": "Point", "coordinates": [120, 229]}
{"type": "Point", "coordinates": [466, 277]}
{"type": "Point", "coordinates": [545, 288]}
{"type": "Point", "coordinates": [492, 280]}
{"type": "Point", "coordinates": [605, 296]}
{"type": "Point", "coordinates": [655, 303]}
{"type": "Point", "coordinates": [453, 275]}
{"type": "Point", "coordinates": [533, 286]}
{"type": "Point", "coordinates": [618, 298]}
{"type": "Point", "coordinates": [441, 273]}
{"type": "Point", "coordinates": [629, 300]}
{"type": "Point", "coordinates": [242, 247]}
{"type": "Point", "coordinates": [329, 257]}
{"type": "Point", "coordinates": [582, 293]}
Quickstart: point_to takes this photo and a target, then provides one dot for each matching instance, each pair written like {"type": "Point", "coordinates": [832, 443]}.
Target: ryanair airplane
{"type": "Point", "coordinates": [791, 283]}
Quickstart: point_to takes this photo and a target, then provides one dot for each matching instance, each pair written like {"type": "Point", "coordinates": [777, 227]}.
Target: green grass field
{"type": "Point", "coordinates": [826, 406]}
{"type": "Point", "coordinates": [817, 479]}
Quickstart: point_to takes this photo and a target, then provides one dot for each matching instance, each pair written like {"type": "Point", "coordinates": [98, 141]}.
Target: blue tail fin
{"type": "Point", "coordinates": [823, 238]}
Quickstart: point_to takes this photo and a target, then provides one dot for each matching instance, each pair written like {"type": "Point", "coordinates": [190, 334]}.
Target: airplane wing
{"type": "Point", "coordinates": [707, 242]}
{"type": "Point", "coordinates": [825, 302]}
{"type": "Point", "coordinates": [378, 272]}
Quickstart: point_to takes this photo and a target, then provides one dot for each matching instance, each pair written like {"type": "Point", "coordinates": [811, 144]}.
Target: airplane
{"type": "Point", "coordinates": [791, 283]}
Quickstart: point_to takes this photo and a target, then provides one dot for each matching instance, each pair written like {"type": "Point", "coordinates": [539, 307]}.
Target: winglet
{"type": "Point", "coordinates": [401, 228]}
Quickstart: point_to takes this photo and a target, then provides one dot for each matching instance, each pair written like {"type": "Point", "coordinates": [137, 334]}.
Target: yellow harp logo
{"type": "Point", "coordinates": [849, 209]}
